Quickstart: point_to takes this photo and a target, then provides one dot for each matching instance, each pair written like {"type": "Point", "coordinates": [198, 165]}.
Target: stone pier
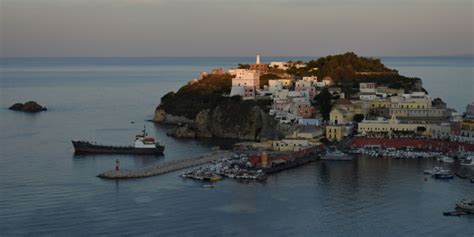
{"type": "Point", "coordinates": [165, 167]}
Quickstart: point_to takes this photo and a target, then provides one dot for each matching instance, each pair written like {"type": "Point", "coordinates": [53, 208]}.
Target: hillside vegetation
{"type": "Point", "coordinates": [207, 93]}
{"type": "Point", "coordinates": [349, 69]}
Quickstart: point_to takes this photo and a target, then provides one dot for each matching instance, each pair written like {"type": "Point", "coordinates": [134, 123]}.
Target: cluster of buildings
{"type": "Point", "coordinates": [375, 111]}
{"type": "Point", "coordinates": [393, 113]}
{"type": "Point", "coordinates": [291, 98]}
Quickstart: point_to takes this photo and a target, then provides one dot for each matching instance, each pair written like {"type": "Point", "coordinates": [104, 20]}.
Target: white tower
{"type": "Point", "coordinates": [258, 59]}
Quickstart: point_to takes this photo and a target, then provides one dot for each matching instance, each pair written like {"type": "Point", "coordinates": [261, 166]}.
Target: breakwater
{"type": "Point", "coordinates": [165, 167]}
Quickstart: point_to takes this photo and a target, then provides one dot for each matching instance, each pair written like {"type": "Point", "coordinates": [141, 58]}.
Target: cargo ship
{"type": "Point", "coordinates": [143, 145]}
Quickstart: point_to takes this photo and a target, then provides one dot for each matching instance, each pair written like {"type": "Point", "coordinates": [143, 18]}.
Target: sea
{"type": "Point", "coordinates": [46, 190]}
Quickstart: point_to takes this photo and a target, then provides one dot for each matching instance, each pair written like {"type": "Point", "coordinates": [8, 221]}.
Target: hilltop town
{"type": "Point", "coordinates": [327, 100]}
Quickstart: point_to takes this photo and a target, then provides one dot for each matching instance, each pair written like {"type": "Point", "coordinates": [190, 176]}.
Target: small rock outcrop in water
{"type": "Point", "coordinates": [30, 107]}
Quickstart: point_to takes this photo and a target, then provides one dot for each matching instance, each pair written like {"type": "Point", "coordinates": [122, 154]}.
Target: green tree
{"type": "Point", "coordinates": [323, 99]}
{"type": "Point", "coordinates": [358, 118]}
{"type": "Point", "coordinates": [244, 66]}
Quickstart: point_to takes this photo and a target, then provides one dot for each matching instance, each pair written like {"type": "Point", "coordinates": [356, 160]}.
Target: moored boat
{"type": "Point", "coordinates": [446, 159]}
{"type": "Point", "coordinates": [336, 155]}
{"type": "Point", "coordinates": [466, 205]}
{"type": "Point", "coordinates": [468, 161]}
{"type": "Point", "coordinates": [443, 176]}
{"type": "Point", "coordinates": [143, 145]}
{"type": "Point", "coordinates": [437, 170]}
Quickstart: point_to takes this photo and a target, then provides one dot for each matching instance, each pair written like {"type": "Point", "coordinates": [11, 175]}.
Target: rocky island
{"type": "Point", "coordinates": [288, 110]}
{"type": "Point", "coordinates": [29, 107]}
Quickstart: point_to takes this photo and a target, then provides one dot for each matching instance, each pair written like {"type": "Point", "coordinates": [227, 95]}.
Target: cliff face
{"type": "Point", "coordinates": [162, 117]}
{"type": "Point", "coordinates": [230, 121]}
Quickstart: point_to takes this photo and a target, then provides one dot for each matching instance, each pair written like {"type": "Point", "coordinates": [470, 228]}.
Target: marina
{"type": "Point", "coordinates": [253, 166]}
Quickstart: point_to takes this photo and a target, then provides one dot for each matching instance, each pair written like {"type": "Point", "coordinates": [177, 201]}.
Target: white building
{"type": "Point", "coordinates": [303, 84]}
{"type": "Point", "coordinates": [368, 87]}
{"type": "Point", "coordinates": [367, 97]}
{"type": "Point", "coordinates": [310, 78]}
{"type": "Point", "coordinates": [274, 85]}
{"type": "Point", "coordinates": [281, 94]}
{"type": "Point", "coordinates": [441, 131]}
{"type": "Point", "coordinates": [245, 83]}
{"type": "Point", "coordinates": [233, 71]}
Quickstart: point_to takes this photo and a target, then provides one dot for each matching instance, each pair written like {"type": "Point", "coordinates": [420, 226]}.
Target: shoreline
{"type": "Point", "coordinates": [431, 145]}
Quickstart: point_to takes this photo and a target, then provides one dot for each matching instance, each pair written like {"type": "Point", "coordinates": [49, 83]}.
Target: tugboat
{"type": "Point", "coordinates": [144, 145]}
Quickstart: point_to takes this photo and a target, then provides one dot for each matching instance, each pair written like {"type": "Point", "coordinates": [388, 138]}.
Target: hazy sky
{"type": "Point", "coordinates": [236, 28]}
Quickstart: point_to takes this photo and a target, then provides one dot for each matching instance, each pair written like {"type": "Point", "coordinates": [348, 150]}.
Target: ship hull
{"type": "Point", "coordinates": [89, 148]}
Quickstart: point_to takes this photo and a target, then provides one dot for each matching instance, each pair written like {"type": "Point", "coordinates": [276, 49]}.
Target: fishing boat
{"type": "Point", "coordinates": [143, 145]}
{"type": "Point", "coordinates": [336, 155]}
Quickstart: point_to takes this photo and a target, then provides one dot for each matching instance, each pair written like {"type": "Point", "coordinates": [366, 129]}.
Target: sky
{"type": "Point", "coordinates": [180, 28]}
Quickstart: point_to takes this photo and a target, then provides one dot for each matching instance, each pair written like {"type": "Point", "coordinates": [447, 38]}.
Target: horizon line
{"type": "Point", "coordinates": [248, 56]}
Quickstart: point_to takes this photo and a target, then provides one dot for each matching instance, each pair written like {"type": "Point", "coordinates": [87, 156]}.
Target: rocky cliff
{"type": "Point", "coordinates": [233, 121]}
{"type": "Point", "coordinates": [162, 117]}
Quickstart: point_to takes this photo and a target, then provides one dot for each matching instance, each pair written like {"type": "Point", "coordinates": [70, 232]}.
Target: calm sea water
{"type": "Point", "coordinates": [46, 190]}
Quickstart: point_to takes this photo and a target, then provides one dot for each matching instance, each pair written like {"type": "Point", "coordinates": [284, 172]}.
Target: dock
{"type": "Point", "coordinates": [165, 167]}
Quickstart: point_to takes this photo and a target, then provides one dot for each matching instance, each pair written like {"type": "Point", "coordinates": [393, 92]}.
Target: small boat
{"type": "Point", "coordinates": [336, 155]}
{"type": "Point", "coordinates": [454, 213]}
{"type": "Point", "coordinates": [446, 159]}
{"type": "Point", "coordinates": [144, 145]}
{"type": "Point", "coordinates": [468, 161]}
{"type": "Point", "coordinates": [207, 186]}
{"type": "Point", "coordinates": [437, 170]}
{"type": "Point", "coordinates": [466, 205]}
{"type": "Point", "coordinates": [472, 180]}
{"type": "Point", "coordinates": [443, 176]}
{"type": "Point", "coordinates": [213, 178]}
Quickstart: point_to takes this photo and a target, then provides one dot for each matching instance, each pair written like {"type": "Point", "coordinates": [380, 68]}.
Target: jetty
{"type": "Point", "coordinates": [165, 167]}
